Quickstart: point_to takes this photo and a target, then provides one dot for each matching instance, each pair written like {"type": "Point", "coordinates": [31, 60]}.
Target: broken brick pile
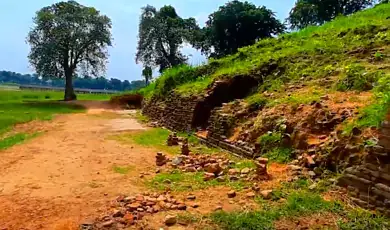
{"type": "Point", "coordinates": [216, 167]}
{"type": "Point", "coordinates": [127, 211]}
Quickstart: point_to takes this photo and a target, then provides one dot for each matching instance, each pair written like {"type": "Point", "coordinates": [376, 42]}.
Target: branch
{"type": "Point", "coordinates": [78, 55]}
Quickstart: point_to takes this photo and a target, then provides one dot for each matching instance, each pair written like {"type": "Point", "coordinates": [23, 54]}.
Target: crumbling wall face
{"type": "Point", "coordinates": [368, 184]}
{"type": "Point", "coordinates": [220, 127]}
{"type": "Point", "coordinates": [174, 112]}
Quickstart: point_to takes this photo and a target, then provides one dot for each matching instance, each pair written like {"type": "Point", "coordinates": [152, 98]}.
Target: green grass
{"type": "Point", "coordinates": [312, 53]}
{"type": "Point", "coordinates": [12, 113]}
{"type": "Point", "coordinates": [27, 95]}
{"type": "Point", "coordinates": [270, 144]}
{"type": "Point", "coordinates": [241, 164]}
{"type": "Point", "coordinates": [373, 114]}
{"type": "Point", "coordinates": [122, 169]}
{"type": "Point", "coordinates": [24, 106]}
{"type": "Point", "coordinates": [15, 139]}
{"type": "Point", "coordinates": [297, 204]}
{"type": "Point", "coordinates": [299, 98]}
{"type": "Point", "coordinates": [180, 181]}
{"type": "Point", "coordinates": [279, 155]}
{"type": "Point", "coordinates": [140, 117]}
{"type": "Point", "coordinates": [157, 137]}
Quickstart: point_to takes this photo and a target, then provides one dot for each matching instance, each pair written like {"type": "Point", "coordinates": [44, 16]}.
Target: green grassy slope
{"type": "Point", "coordinates": [314, 52]}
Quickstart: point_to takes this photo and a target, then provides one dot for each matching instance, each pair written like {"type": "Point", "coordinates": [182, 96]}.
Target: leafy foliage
{"type": "Point", "coordinates": [235, 25]}
{"type": "Point", "coordinates": [161, 33]}
{"type": "Point", "coordinates": [69, 37]}
{"type": "Point", "coordinates": [317, 12]}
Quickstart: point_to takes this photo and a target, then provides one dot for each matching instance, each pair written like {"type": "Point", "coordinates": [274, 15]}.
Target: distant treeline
{"type": "Point", "coordinates": [84, 82]}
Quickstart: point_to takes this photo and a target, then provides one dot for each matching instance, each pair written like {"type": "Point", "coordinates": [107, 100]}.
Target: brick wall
{"type": "Point", "coordinates": [220, 127]}
{"type": "Point", "coordinates": [178, 113]}
{"type": "Point", "coordinates": [368, 184]}
{"type": "Point", "coordinates": [174, 112]}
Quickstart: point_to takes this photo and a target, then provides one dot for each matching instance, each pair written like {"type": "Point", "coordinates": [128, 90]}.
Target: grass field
{"type": "Point", "coordinates": [24, 106]}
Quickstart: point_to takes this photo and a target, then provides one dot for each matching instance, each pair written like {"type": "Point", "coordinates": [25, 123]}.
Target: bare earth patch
{"type": "Point", "coordinates": [66, 174]}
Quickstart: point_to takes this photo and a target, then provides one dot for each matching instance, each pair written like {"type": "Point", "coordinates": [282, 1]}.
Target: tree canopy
{"type": "Point", "coordinates": [317, 12]}
{"type": "Point", "coordinates": [235, 25]}
{"type": "Point", "coordinates": [161, 34]}
{"type": "Point", "coordinates": [66, 38]}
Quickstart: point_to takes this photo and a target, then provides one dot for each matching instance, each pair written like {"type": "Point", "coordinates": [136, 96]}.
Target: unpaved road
{"type": "Point", "coordinates": [66, 175]}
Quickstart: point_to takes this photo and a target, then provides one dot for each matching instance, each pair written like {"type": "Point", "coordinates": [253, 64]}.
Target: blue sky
{"type": "Point", "coordinates": [16, 20]}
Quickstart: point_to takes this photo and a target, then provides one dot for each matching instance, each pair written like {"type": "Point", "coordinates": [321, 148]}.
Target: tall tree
{"type": "Point", "coordinates": [317, 12]}
{"type": "Point", "coordinates": [161, 34]}
{"type": "Point", "coordinates": [235, 25]}
{"type": "Point", "coordinates": [66, 38]}
{"type": "Point", "coordinates": [147, 73]}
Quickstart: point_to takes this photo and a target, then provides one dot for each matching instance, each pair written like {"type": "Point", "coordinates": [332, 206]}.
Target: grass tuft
{"type": "Point", "coordinates": [297, 204]}
{"type": "Point", "coordinates": [122, 169]}
{"type": "Point", "coordinates": [15, 139]}
{"type": "Point", "coordinates": [179, 181]}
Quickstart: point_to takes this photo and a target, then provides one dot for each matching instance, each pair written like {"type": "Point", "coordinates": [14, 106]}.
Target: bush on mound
{"type": "Point", "coordinates": [133, 101]}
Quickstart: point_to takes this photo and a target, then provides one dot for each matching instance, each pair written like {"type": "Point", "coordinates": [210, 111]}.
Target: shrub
{"type": "Point", "coordinates": [128, 100]}
{"type": "Point", "coordinates": [173, 77]}
{"type": "Point", "coordinates": [270, 139]}
{"type": "Point", "coordinates": [257, 101]}
{"type": "Point", "coordinates": [355, 77]}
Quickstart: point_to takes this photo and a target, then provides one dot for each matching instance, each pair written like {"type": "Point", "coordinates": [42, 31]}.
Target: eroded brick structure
{"type": "Point", "coordinates": [174, 112]}
{"type": "Point", "coordinates": [368, 184]}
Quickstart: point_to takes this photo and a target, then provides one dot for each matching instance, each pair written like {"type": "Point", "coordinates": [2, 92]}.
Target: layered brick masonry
{"type": "Point", "coordinates": [368, 184]}
{"type": "Point", "coordinates": [174, 112]}
{"type": "Point", "coordinates": [179, 113]}
{"type": "Point", "coordinates": [219, 128]}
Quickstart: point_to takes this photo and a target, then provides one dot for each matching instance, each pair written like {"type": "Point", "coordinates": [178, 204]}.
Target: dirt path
{"type": "Point", "coordinates": [66, 175]}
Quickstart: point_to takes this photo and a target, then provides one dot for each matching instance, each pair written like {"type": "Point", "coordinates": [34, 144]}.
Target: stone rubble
{"type": "Point", "coordinates": [185, 150]}
{"type": "Point", "coordinates": [214, 167]}
{"type": "Point", "coordinates": [128, 210]}
{"type": "Point", "coordinates": [172, 140]}
{"type": "Point", "coordinates": [161, 159]}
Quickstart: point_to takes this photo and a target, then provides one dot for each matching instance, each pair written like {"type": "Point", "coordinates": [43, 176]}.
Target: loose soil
{"type": "Point", "coordinates": [65, 175]}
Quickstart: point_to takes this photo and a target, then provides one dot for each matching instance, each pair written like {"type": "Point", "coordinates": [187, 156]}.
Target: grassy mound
{"type": "Point", "coordinates": [351, 53]}
{"type": "Point", "coordinates": [312, 53]}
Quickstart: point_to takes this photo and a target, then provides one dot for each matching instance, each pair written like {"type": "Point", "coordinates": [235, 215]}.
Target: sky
{"type": "Point", "coordinates": [16, 20]}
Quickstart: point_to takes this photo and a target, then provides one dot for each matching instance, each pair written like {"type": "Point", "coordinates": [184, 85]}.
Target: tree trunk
{"type": "Point", "coordinates": [69, 91]}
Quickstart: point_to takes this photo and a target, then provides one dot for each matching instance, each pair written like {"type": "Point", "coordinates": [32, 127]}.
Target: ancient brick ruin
{"type": "Point", "coordinates": [219, 128]}
{"type": "Point", "coordinates": [368, 184]}
{"type": "Point", "coordinates": [181, 113]}
{"type": "Point", "coordinates": [174, 112]}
